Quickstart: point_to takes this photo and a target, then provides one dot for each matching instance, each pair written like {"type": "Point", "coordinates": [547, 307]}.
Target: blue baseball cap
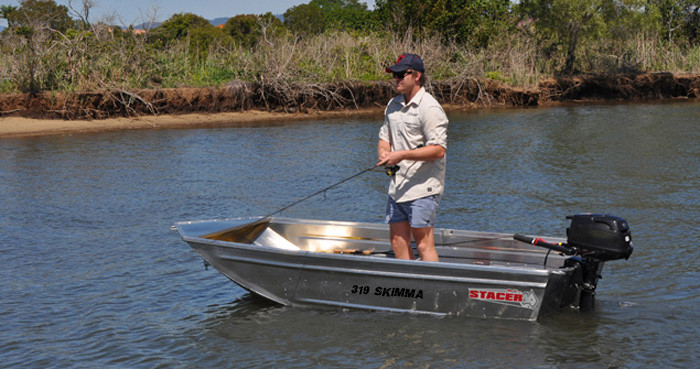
{"type": "Point", "coordinates": [406, 62]}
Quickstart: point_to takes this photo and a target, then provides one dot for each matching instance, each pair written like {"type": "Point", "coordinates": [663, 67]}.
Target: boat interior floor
{"type": "Point", "coordinates": [477, 249]}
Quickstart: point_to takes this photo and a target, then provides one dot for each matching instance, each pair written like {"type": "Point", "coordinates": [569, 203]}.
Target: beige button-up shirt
{"type": "Point", "coordinates": [421, 122]}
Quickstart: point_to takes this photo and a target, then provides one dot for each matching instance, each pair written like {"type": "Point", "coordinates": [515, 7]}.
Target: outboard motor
{"type": "Point", "coordinates": [597, 238]}
{"type": "Point", "coordinates": [594, 239]}
{"type": "Point", "coordinates": [603, 237]}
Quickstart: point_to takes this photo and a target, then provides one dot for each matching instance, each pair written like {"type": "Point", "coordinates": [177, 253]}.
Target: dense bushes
{"type": "Point", "coordinates": [336, 40]}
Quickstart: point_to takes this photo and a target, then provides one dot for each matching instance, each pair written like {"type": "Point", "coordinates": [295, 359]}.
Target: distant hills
{"type": "Point", "coordinates": [146, 25]}
{"type": "Point", "coordinates": [218, 21]}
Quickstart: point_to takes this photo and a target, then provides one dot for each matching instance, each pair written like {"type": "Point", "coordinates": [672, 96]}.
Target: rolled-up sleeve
{"type": "Point", "coordinates": [384, 131]}
{"type": "Point", "coordinates": [435, 126]}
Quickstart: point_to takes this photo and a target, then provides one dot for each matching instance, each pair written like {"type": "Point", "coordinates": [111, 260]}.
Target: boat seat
{"type": "Point", "coordinates": [271, 238]}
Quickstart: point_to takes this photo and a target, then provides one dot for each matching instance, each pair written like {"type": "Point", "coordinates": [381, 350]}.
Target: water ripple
{"type": "Point", "coordinates": [92, 276]}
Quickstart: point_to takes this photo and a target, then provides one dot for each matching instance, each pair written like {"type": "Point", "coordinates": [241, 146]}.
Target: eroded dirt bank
{"type": "Point", "coordinates": [247, 102]}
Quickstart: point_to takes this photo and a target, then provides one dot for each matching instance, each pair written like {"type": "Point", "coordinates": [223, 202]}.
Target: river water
{"type": "Point", "coordinates": [92, 277]}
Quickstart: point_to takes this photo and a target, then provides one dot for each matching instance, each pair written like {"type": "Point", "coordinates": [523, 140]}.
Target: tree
{"type": "Point", "coordinates": [692, 27]}
{"type": "Point", "coordinates": [42, 13]}
{"type": "Point", "coordinates": [271, 27]}
{"type": "Point", "coordinates": [305, 19]}
{"type": "Point", "coordinates": [6, 13]}
{"type": "Point", "coordinates": [244, 29]}
{"type": "Point", "coordinates": [84, 12]}
{"type": "Point", "coordinates": [248, 30]}
{"type": "Point", "coordinates": [566, 22]}
{"type": "Point", "coordinates": [676, 20]}
{"type": "Point", "coordinates": [190, 30]}
{"type": "Point", "coordinates": [37, 22]}
{"type": "Point", "coordinates": [347, 15]}
{"type": "Point", "coordinates": [405, 17]}
{"type": "Point", "coordinates": [472, 22]}
{"type": "Point", "coordinates": [320, 15]}
{"type": "Point", "coordinates": [179, 26]}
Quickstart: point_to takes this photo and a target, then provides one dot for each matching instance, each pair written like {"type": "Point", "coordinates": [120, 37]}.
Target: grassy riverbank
{"type": "Point", "coordinates": [348, 97]}
{"type": "Point", "coordinates": [241, 104]}
{"type": "Point", "coordinates": [100, 74]}
{"type": "Point", "coordinates": [512, 55]}
{"type": "Point", "coordinates": [102, 60]}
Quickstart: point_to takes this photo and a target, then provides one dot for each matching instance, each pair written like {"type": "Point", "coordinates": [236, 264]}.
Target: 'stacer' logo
{"type": "Point", "coordinates": [512, 297]}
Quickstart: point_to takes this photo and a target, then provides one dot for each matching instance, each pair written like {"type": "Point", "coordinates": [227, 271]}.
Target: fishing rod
{"type": "Point", "coordinates": [241, 231]}
{"type": "Point", "coordinates": [322, 191]}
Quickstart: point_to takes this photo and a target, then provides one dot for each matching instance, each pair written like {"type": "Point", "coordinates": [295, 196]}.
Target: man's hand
{"type": "Point", "coordinates": [383, 150]}
{"type": "Point", "coordinates": [390, 158]}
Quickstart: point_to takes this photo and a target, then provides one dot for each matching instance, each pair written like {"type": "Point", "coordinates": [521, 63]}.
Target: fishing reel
{"type": "Point", "coordinates": [391, 171]}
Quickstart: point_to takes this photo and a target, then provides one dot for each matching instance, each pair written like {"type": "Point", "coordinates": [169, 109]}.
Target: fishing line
{"type": "Point", "coordinates": [323, 191]}
{"type": "Point", "coordinates": [243, 232]}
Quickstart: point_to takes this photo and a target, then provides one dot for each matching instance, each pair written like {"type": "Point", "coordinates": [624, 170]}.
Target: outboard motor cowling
{"type": "Point", "coordinates": [603, 237]}
{"type": "Point", "coordinates": [592, 239]}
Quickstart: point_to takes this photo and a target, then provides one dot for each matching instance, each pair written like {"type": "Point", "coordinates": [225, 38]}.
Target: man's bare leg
{"type": "Point", "coordinates": [400, 235]}
{"type": "Point", "coordinates": [425, 241]}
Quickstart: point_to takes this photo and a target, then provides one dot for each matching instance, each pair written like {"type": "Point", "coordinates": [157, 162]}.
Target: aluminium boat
{"type": "Point", "coordinates": [350, 265]}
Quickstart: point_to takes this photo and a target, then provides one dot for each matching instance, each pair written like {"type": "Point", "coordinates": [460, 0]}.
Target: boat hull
{"type": "Point", "coordinates": [494, 284]}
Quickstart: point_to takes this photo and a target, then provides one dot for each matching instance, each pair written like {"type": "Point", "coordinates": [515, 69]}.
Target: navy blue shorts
{"type": "Point", "coordinates": [420, 213]}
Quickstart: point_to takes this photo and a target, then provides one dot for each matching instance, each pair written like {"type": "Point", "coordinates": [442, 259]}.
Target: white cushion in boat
{"type": "Point", "coordinates": [273, 239]}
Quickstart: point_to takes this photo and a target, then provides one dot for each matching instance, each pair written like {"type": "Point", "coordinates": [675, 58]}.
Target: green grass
{"type": "Point", "coordinates": [132, 63]}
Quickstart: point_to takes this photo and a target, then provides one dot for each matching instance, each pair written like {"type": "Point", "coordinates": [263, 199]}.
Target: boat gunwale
{"type": "Point", "coordinates": [535, 270]}
{"type": "Point", "coordinates": [441, 265]}
{"type": "Point", "coordinates": [376, 226]}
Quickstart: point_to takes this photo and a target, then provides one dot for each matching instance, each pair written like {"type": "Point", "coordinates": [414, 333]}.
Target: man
{"type": "Point", "coordinates": [414, 137]}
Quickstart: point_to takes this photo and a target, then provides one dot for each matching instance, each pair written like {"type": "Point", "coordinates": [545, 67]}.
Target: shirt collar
{"type": "Point", "coordinates": [416, 99]}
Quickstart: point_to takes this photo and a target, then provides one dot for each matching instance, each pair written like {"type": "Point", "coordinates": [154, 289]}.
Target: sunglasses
{"type": "Point", "coordinates": [401, 75]}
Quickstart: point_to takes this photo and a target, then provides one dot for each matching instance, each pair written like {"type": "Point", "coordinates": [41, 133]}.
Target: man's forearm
{"type": "Point", "coordinates": [426, 153]}
{"type": "Point", "coordinates": [383, 149]}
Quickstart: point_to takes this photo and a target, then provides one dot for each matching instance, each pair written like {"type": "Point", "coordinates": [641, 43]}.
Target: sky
{"type": "Point", "coordinates": [138, 11]}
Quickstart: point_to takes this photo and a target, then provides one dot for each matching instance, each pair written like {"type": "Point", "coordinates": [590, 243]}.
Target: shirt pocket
{"type": "Point", "coordinates": [413, 125]}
